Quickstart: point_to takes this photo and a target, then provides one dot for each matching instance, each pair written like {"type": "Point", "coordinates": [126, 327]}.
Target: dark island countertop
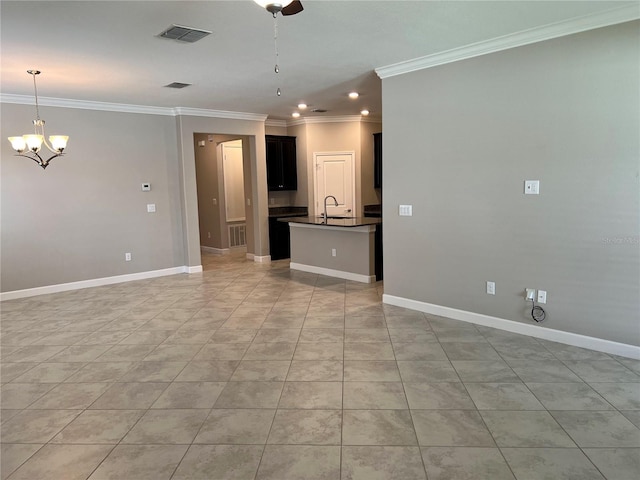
{"type": "Point", "coordinates": [334, 222]}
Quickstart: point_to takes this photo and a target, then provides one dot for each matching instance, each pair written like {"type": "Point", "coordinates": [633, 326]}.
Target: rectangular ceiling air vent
{"type": "Point", "coordinates": [178, 85]}
{"type": "Point", "coordinates": [184, 34]}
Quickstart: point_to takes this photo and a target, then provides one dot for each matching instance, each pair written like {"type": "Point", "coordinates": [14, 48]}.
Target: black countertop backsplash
{"type": "Point", "coordinates": [278, 212]}
{"type": "Point", "coordinates": [334, 222]}
{"type": "Point", "coordinates": [372, 210]}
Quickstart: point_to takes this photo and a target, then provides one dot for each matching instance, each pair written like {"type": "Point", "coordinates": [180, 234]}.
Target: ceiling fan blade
{"type": "Point", "coordinates": [293, 8]}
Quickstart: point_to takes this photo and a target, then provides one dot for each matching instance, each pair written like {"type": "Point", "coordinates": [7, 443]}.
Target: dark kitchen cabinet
{"type": "Point", "coordinates": [279, 241]}
{"type": "Point", "coordinates": [282, 173]}
{"type": "Point", "coordinates": [377, 160]}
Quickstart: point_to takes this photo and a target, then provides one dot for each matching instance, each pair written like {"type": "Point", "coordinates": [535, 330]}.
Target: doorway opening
{"type": "Point", "coordinates": [223, 183]}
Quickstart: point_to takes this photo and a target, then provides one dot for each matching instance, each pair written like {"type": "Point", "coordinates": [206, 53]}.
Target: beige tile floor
{"type": "Point", "coordinates": [255, 372]}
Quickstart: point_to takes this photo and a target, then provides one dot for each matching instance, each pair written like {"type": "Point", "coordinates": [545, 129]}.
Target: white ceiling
{"type": "Point", "coordinates": [109, 51]}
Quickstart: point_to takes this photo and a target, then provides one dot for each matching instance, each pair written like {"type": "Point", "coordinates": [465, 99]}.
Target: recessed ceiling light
{"type": "Point", "coordinates": [295, 114]}
{"type": "Point", "coordinates": [302, 106]}
{"type": "Point", "coordinates": [364, 112]}
{"type": "Point", "coordinates": [354, 95]}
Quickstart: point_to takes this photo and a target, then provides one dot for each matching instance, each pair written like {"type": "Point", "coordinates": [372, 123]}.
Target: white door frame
{"type": "Point", "coordinates": [317, 206]}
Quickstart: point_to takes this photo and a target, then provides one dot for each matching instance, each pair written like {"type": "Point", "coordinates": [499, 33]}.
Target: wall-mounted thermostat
{"type": "Point", "coordinates": [146, 187]}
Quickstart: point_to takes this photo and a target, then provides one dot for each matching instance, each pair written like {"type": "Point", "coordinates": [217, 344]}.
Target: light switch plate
{"type": "Point", "coordinates": [151, 207]}
{"type": "Point", "coordinates": [532, 187]}
{"type": "Point", "coordinates": [406, 210]}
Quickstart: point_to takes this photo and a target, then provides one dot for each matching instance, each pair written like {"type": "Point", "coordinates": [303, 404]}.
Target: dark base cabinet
{"type": "Point", "coordinates": [375, 211]}
{"type": "Point", "coordinates": [279, 241]}
{"type": "Point", "coordinates": [378, 250]}
{"type": "Point", "coordinates": [377, 160]}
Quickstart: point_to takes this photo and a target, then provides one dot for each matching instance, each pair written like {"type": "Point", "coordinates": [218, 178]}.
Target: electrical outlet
{"type": "Point", "coordinates": [208, 234]}
{"type": "Point", "coordinates": [532, 187]}
{"type": "Point", "coordinates": [248, 202]}
{"type": "Point", "coordinates": [215, 201]}
{"type": "Point", "coordinates": [127, 257]}
{"type": "Point", "coordinates": [151, 207]}
{"type": "Point", "coordinates": [531, 293]}
{"type": "Point", "coordinates": [333, 252]}
{"type": "Point", "coordinates": [491, 288]}
{"type": "Point", "coordinates": [542, 296]}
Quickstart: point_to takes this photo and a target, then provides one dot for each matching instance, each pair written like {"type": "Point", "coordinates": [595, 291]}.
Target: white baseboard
{"type": "Point", "coordinates": [329, 272]}
{"type": "Point", "coordinates": [568, 338]}
{"type": "Point", "coordinates": [259, 258]}
{"type": "Point", "coordinates": [96, 282]}
{"type": "Point", "coordinates": [215, 251]}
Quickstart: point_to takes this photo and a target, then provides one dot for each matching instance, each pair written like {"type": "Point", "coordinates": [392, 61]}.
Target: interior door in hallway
{"type": "Point", "coordinates": [335, 176]}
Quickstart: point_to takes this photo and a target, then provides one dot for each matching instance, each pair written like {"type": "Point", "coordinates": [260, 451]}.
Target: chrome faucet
{"type": "Point", "coordinates": [325, 205]}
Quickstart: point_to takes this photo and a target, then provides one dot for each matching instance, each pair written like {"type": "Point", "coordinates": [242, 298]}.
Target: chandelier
{"type": "Point", "coordinates": [29, 146]}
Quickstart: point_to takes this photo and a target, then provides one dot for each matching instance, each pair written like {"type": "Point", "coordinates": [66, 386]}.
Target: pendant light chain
{"type": "Point", "coordinates": [275, 42]}
{"type": "Point", "coordinates": [275, 45]}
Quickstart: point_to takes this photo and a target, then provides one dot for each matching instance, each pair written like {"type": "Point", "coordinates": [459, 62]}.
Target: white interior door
{"type": "Point", "coordinates": [233, 180]}
{"type": "Point", "coordinates": [335, 176]}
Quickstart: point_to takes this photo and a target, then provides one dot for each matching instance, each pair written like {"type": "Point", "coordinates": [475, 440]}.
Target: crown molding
{"type": "Point", "coordinates": [513, 40]}
{"type": "Point", "coordinates": [178, 111]}
{"type": "Point", "coordinates": [127, 108]}
{"type": "Point", "coordinates": [85, 105]}
{"type": "Point", "coordinates": [201, 112]}
{"type": "Point", "coordinates": [275, 123]}
{"type": "Point", "coordinates": [332, 119]}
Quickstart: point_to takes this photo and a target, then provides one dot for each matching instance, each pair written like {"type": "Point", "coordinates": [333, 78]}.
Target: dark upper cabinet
{"type": "Point", "coordinates": [377, 160]}
{"type": "Point", "coordinates": [282, 173]}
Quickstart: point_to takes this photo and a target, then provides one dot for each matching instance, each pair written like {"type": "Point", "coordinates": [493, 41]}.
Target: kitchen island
{"type": "Point", "coordinates": [337, 247]}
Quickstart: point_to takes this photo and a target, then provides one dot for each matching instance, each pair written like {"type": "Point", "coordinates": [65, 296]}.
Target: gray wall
{"type": "Point", "coordinates": [460, 139]}
{"type": "Point", "coordinates": [354, 248]}
{"type": "Point", "coordinates": [208, 180]}
{"type": "Point", "coordinates": [76, 219]}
